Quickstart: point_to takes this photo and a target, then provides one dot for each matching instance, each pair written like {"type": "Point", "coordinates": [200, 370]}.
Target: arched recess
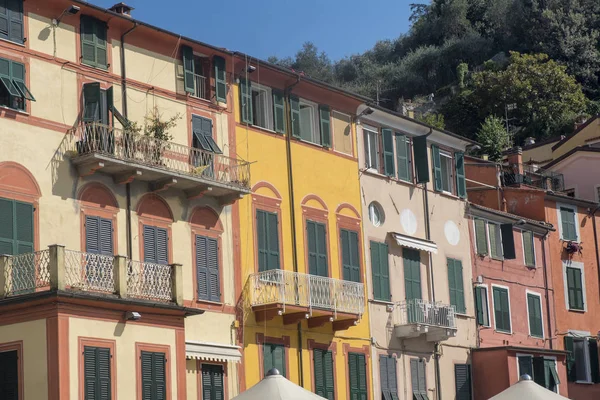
{"type": "Point", "coordinates": [155, 214]}
{"type": "Point", "coordinates": [98, 202]}
{"type": "Point", "coordinates": [349, 236]}
{"type": "Point", "coordinates": [153, 206]}
{"type": "Point", "coordinates": [347, 210]}
{"type": "Point", "coordinates": [18, 185]}
{"type": "Point", "coordinates": [266, 207]}
{"type": "Point", "coordinates": [206, 218]}
{"type": "Point", "coordinates": [314, 201]}
{"type": "Point", "coordinates": [263, 188]}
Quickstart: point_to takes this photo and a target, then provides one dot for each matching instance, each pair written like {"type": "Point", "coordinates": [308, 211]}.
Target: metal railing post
{"type": "Point", "coordinates": [4, 260]}
{"type": "Point", "coordinates": [120, 275]}
{"type": "Point", "coordinates": [56, 267]}
{"type": "Point", "coordinates": [177, 283]}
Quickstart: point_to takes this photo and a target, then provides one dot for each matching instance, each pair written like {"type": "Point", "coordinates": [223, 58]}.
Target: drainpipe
{"type": "Point", "coordinates": [593, 215]}
{"type": "Point", "coordinates": [288, 149]}
{"type": "Point", "coordinates": [546, 287]}
{"type": "Point", "coordinates": [124, 101]}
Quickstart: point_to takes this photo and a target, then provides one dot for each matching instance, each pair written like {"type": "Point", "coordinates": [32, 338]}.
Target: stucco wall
{"type": "Point", "coordinates": [576, 173]}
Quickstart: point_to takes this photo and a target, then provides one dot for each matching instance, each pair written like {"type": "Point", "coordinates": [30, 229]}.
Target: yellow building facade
{"type": "Point", "coordinates": [302, 304]}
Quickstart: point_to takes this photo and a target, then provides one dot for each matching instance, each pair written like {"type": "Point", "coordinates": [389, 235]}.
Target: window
{"type": "Point", "coordinates": [156, 245]}
{"type": "Point", "coordinates": [262, 105]}
{"type": "Point", "coordinates": [357, 373]}
{"type": "Point", "coordinates": [534, 313]}
{"type": "Point", "coordinates": [388, 152]}
{"type": "Point", "coordinates": [16, 227]}
{"type": "Point", "coordinates": [220, 76]}
{"type": "Point", "coordinates": [501, 309]}
{"type": "Point", "coordinates": [567, 218]}
{"type": "Point", "coordinates": [213, 387]}
{"type": "Point", "coordinates": [495, 240]}
{"type": "Point", "coordinates": [528, 249]}
{"type": "Point", "coordinates": [98, 235]}
{"type": "Point", "coordinates": [481, 303]}
{"type": "Point", "coordinates": [376, 214]}
{"type": "Point", "coordinates": [93, 42]}
{"type": "Point", "coordinates": [350, 256]}
{"type": "Point", "coordinates": [274, 357]}
{"type": "Point", "coordinates": [203, 138]}
{"type": "Point", "coordinates": [575, 285]}
{"type": "Point", "coordinates": [443, 169]}
{"type": "Point", "coordinates": [371, 148]}
{"type": "Point", "coordinates": [267, 228]}
{"type": "Point", "coordinates": [154, 383]}
{"type": "Point", "coordinates": [455, 283]}
{"type": "Point", "coordinates": [97, 373]}
{"type": "Point", "coordinates": [418, 380]}
{"type": "Point", "coordinates": [380, 271]}
{"type": "Point", "coordinates": [462, 377]}
{"type": "Point", "coordinates": [317, 248]}
{"type": "Point", "coordinates": [411, 260]}
{"type": "Point", "coordinates": [9, 375]}
{"type": "Point", "coordinates": [195, 73]}
{"type": "Point", "coordinates": [13, 91]}
{"type": "Point", "coordinates": [207, 269]}
{"type": "Point", "coordinates": [582, 359]}
{"type": "Point", "coordinates": [11, 20]}
{"type": "Point", "coordinates": [525, 364]}
{"type": "Point", "coordinates": [542, 370]}
{"type": "Point", "coordinates": [342, 132]}
{"type": "Point", "coordinates": [308, 120]}
{"type": "Point", "coordinates": [323, 367]}
{"type": "Point", "coordinates": [481, 237]}
{"type": "Point", "coordinates": [403, 159]}
{"type": "Point", "coordinates": [388, 378]}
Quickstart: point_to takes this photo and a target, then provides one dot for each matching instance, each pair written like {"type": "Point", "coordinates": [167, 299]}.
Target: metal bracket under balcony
{"type": "Point", "coordinates": [413, 318]}
{"type": "Point", "coordinates": [296, 297]}
{"type": "Point", "coordinates": [93, 148]}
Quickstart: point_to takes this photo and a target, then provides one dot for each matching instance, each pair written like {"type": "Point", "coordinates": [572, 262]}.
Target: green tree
{"type": "Point", "coordinates": [493, 137]}
{"type": "Point", "coordinates": [434, 119]}
{"type": "Point", "coordinates": [309, 61]}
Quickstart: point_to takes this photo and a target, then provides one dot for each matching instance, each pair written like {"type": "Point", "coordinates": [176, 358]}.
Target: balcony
{"type": "Point", "coordinates": [531, 175]}
{"type": "Point", "coordinates": [94, 147]}
{"type": "Point", "coordinates": [58, 269]}
{"type": "Point", "coordinates": [297, 296]}
{"type": "Point", "coordinates": [200, 87]}
{"type": "Point", "coordinates": [413, 318]}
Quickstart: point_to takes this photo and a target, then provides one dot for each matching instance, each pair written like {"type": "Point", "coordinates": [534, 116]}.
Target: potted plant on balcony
{"type": "Point", "coordinates": [574, 247]}
{"type": "Point", "coordinates": [157, 136]}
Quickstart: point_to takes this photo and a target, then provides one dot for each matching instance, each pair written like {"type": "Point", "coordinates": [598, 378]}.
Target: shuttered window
{"type": "Point", "coordinates": [388, 152]}
{"type": "Point", "coordinates": [267, 229]}
{"type": "Point", "coordinates": [207, 269]}
{"type": "Point", "coordinates": [534, 308]}
{"type": "Point", "coordinates": [380, 271]}
{"type": "Point", "coordinates": [278, 111]}
{"type": "Point", "coordinates": [93, 42]}
{"type": "Point", "coordinates": [461, 183]}
{"type": "Point", "coordinates": [495, 240]}
{"type": "Point", "coordinates": [9, 375]}
{"type": "Point", "coordinates": [357, 373]}
{"type": "Point", "coordinates": [411, 260]}
{"type": "Point", "coordinates": [188, 69]}
{"type": "Point", "coordinates": [437, 168]}
{"type": "Point", "coordinates": [418, 380]}
{"type": "Point", "coordinates": [220, 79]}
{"type": "Point", "coordinates": [325, 125]}
{"type": "Point", "coordinates": [154, 382]}
{"type": "Point", "coordinates": [528, 250]}
{"type": "Point", "coordinates": [13, 90]}
{"type": "Point", "coordinates": [421, 158]}
{"type": "Point", "coordinates": [323, 367]}
{"type": "Point", "coordinates": [156, 245]}
{"type": "Point", "coordinates": [481, 304]}
{"type": "Point", "coordinates": [317, 248]}
{"type": "Point", "coordinates": [455, 283]}
{"type": "Point", "coordinates": [295, 115]}
{"type": "Point", "coordinates": [274, 357]}
{"type": "Point", "coordinates": [544, 372]}
{"type": "Point", "coordinates": [575, 288]}
{"type": "Point", "coordinates": [481, 237]}
{"type": "Point", "coordinates": [350, 256]}
{"type": "Point", "coordinates": [212, 382]}
{"type": "Point", "coordinates": [462, 377]}
{"type": "Point", "coordinates": [525, 365]}
{"type": "Point", "coordinates": [246, 114]}
{"type": "Point", "coordinates": [581, 366]}
{"type": "Point", "coordinates": [98, 235]}
{"type": "Point", "coordinates": [501, 309]}
{"type": "Point", "coordinates": [568, 223]}
{"type": "Point", "coordinates": [11, 20]}
{"type": "Point", "coordinates": [16, 227]}
{"type": "Point", "coordinates": [97, 374]}
{"type": "Point", "coordinates": [203, 136]}
{"type": "Point", "coordinates": [508, 242]}
{"type": "Point", "coordinates": [403, 158]}
{"type": "Point", "coordinates": [388, 378]}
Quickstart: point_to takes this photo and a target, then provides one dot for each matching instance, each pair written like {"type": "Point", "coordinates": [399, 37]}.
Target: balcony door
{"type": "Point", "coordinates": [156, 251]}
{"type": "Point", "coordinates": [98, 241]}
{"type": "Point", "coordinates": [16, 237]}
{"type": "Point", "coordinates": [412, 285]}
{"type": "Point", "coordinates": [320, 289]}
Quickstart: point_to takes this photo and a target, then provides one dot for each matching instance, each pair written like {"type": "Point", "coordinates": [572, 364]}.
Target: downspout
{"type": "Point", "coordinates": [288, 150]}
{"type": "Point", "coordinates": [124, 101]}
{"type": "Point", "coordinates": [546, 288]}
{"type": "Point", "coordinates": [593, 215]}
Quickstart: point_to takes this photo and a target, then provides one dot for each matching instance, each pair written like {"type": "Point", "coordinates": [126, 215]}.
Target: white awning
{"type": "Point", "coordinates": [415, 243]}
{"type": "Point", "coordinates": [212, 351]}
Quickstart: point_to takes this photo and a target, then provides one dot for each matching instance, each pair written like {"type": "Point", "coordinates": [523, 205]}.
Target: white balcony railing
{"type": "Point", "coordinates": [423, 312]}
{"type": "Point", "coordinates": [24, 273]}
{"type": "Point", "coordinates": [200, 86]}
{"type": "Point", "coordinates": [89, 272]}
{"type": "Point", "coordinates": [304, 290]}
{"type": "Point", "coordinates": [150, 281]}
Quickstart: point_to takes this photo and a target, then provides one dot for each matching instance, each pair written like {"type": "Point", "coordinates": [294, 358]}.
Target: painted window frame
{"type": "Point", "coordinates": [24, 97]}
{"type": "Point", "coordinates": [333, 143]}
{"type": "Point", "coordinates": [315, 134]}
{"type": "Point", "coordinates": [509, 309]}
{"type": "Point", "coordinates": [152, 348]}
{"type": "Point", "coordinates": [284, 341]}
{"type": "Point", "coordinates": [370, 135]}
{"type": "Point", "coordinates": [450, 178]}
{"type": "Point", "coordinates": [560, 225]}
{"type": "Point", "coordinates": [534, 265]}
{"type": "Point", "coordinates": [487, 253]}
{"type": "Point", "coordinates": [102, 343]}
{"type": "Point", "coordinates": [539, 295]}
{"type": "Point", "coordinates": [499, 248]}
{"type": "Point", "coordinates": [487, 304]}
{"type": "Point", "coordinates": [580, 266]}
{"type": "Point", "coordinates": [583, 336]}
{"type": "Point", "coordinates": [379, 208]}
{"type": "Point", "coordinates": [553, 358]}
{"type": "Point", "coordinates": [18, 347]}
{"type": "Point", "coordinates": [268, 113]}
{"type": "Point", "coordinates": [200, 383]}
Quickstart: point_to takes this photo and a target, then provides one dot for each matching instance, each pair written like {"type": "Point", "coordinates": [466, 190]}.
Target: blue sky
{"type": "Point", "coordinates": [262, 28]}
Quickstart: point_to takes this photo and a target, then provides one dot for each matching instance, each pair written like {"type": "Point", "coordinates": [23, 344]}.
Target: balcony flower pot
{"type": "Point", "coordinates": [573, 247]}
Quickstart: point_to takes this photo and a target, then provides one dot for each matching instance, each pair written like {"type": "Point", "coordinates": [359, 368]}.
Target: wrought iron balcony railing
{"type": "Point", "coordinates": [155, 159]}
{"type": "Point", "coordinates": [525, 174]}
{"type": "Point", "coordinates": [307, 291]}
{"type": "Point", "coordinates": [423, 312]}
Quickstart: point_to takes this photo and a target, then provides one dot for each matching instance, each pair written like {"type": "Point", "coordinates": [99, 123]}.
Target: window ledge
{"type": "Point", "coordinates": [463, 315]}
{"type": "Point", "coordinates": [311, 143]}
{"type": "Point", "coordinates": [374, 172]}
{"type": "Point", "coordinates": [449, 195]}
{"type": "Point", "coordinates": [14, 110]}
{"type": "Point", "coordinates": [576, 310]}
{"type": "Point", "coordinates": [15, 43]}
{"type": "Point", "coordinates": [381, 302]}
{"type": "Point", "coordinates": [584, 382]}
{"type": "Point", "coordinates": [264, 129]}
{"type": "Point", "coordinates": [503, 332]}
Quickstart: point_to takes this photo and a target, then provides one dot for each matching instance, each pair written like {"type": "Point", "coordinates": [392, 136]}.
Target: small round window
{"type": "Point", "coordinates": [376, 215]}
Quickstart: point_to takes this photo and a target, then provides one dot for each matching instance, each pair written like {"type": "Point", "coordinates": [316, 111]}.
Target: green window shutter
{"type": "Point", "coordinates": [402, 152]}
{"type": "Point", "coordinates": [388, 152]}
{"type": "Point", "coordinates": [212, 382]}
{"type": "Point", "coordinates": [594, 365]}
{"type": "Point", "coordinates": [383, 377]}
{"type": "Point", "coordinates": [481, 237]}
{"type": "Point", "coordinates": [437, 167]}
{"type": "Point", "coordinates": [278, 111]}
{"type": "Point", "coordinates": [392, 377]}
{"type": "Point", "coordinates": [411, 260]}
{"type": "Point", "coordinates": [528, 248]}
{"type": "Point", "coordinates": [534, 308]}
{"type": "Point", "coordinates": [101, 44]}
{"type": "Point", "coordinates": [495, 249]}
{"type": "Point", "coordinates": [461, 183]}
{"type": "Point", "coordinates": [207, 384]}
{"type": "Point", "coordinates": [362, 376]}
{"type": "Point", "coordinates": [92, 105]}
{"type": "Point", "coordinates": [569, 347]}
{"type": "Point", "coordinates": [246, 101]}
{"type": "Point", "coordinates": [268, 240]}
{"type": "Point", "coordinates": [325, 124]}
{"type": "Point", "coordinates": [508, 241]}
{"type": "Point", "coordinates": [385, 272]}
{"type": "Point", "coordinates": [318, 368]}
{"type": "Point", "coordinates": [569, 229]}
{"type": "Point", "coordinates": [551, 375]}
{"type": "Point", "coordinates": [350, 260]}
{"type": "Point", "coordinates": [462, 378]}
{"type": "Point", "coordinates": [88, 40]}
{"type": "Point", "coordinates": [317, 248]}
{"type": "Point", "coordinates": [9, 375]}
{"type": "Point", "coordinates": [375, 270]}
{"type": "Point", "coordinates": [451, 281]}
{"type": "Point", "coordinates": [328, 373]}
{"type": "Point", "coordinates": [11, 20]}
{"type": "Point", "coordinates": [273, 240]}
{"type": "Point", "coordinates": [279, 359]}
{"type": "Point", "coordinates": [6, 79]}
{"type": "Point", "coordinates": [267, 358]}
{"type": "Point", "coordinates": [501, 309]}
{"type": "Point", "coordinates": [17, 73]}
{"type": "Point", "coordinates": [353, 376]}
{"type": "Point", "coordinates": [220, 79]}
{"type": "Point", "coordinates": [575, 288]}
{"type": "Point", "coordinates": [455, 281]}
{"type": "Point", "coordinates": [539, 371]}
{"type": "Point", "coordinates": [7, 230]}
{"type": "Point", "coordinates": [147, 376]}
{"type": "Point", "coordinates": [159, 375]}
{"type": "Point", "coordinates": [479, 295]}
{"type": "Point", "coordinates": [421, 158]}
{"type": "Point", "coordinates": [188, 69]}
{"type": "Point", "coordinates": [23, 227]}
{"type": "Point", "coordinates": [295, 115]}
